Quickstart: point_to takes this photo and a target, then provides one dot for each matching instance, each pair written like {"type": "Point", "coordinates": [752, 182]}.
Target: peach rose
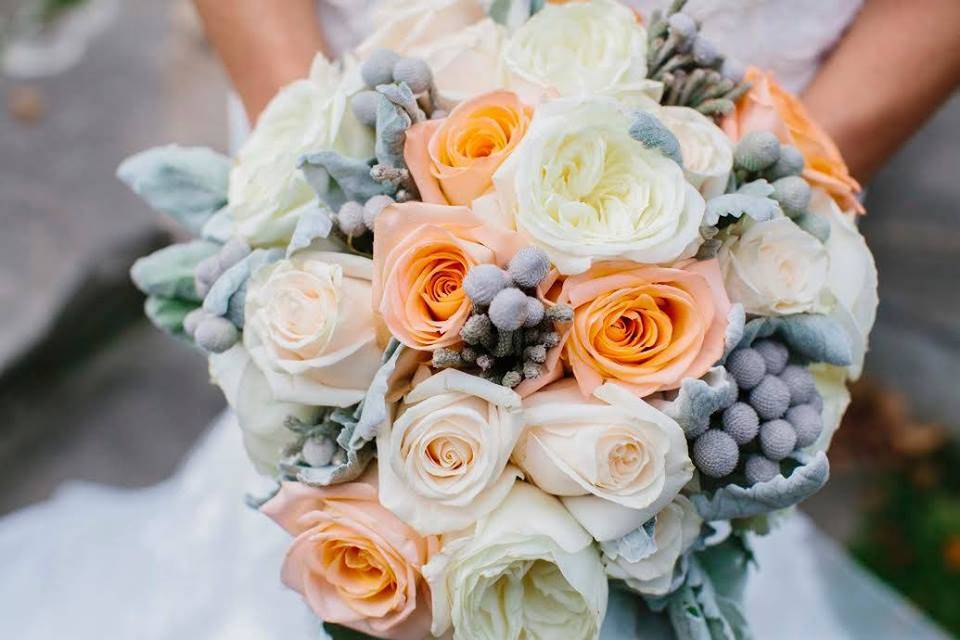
{"type": "Point", "coordinates": [421, 254]}
{"type": "Point", "coordinates": [453, 160]}
{"type": "Point", "coordinates": [645, 327]}
{"type": "Point", "coordinates": [355, 563]}
{"type": "Point", "coordinates": [768, 106]}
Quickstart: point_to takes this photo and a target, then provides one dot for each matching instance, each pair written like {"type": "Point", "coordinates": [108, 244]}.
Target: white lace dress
{"type": "Point", "coordinates": [187, 560]}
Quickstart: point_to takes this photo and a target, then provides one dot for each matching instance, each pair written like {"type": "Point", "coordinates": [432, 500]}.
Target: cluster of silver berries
{"type": "Point", "coordinates": [509, 332]}
{"type": "Point", "coordinates": [694, 73]}
{"type": "Point", "coordinates": [759, 154]}
{"type": "Point", "coordinates": [385, 67]}
{"type": "Point", "coordinates": [212, 333]}
{"type": "Point", "coordinates": [778, 412]}
{"type": "Point", "coordinates": [355, 218]}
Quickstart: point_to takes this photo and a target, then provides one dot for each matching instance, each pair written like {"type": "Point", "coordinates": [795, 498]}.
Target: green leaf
{"type": "Point", "coordinates": [188, 183]}
{"type": "Point", "coordinates": [168, 273]}
{"type": "Point", "coordinates": [167, 314]}
{"type": "Point", "coordinates": [342, 633]}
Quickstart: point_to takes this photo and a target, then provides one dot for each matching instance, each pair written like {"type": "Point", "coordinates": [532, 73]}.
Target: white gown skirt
{"type": "Point", "coordinates": [188, 560]}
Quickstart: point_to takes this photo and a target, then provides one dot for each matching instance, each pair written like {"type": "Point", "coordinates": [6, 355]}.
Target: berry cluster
{"type": "Point", "coordinates": [777, 413]}
{"type": "Point", "coordinates": [759, 154]}
{"type": "Point", "coordinates": [510, 331]}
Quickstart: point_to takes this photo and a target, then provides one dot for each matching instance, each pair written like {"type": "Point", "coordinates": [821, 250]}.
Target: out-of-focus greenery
{"type": "Point", "coordinates": [50, 9]}
{"type": "Point", "coordinates": [910, 536]}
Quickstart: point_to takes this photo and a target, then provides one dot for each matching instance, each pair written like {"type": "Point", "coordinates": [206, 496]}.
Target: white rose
{"type": "Point", "coordinates": [526, 570]}
{"type": "Point", "coordinates": [775, 268]}
{"type": "Point", "coordinates": [443, 458]}
{"type": "Point", "coordinates": [614, 459]}
{"type": "Point", "coordinates": [676, 528]}
{"type": "Point", "coordinates": [583, 190]}
{"type": "Point", "coordinates": [468, 62]}
{"type": "Point", "coordinates": [309, 326]}
{"type": "Point", "coordinates": [707, 151]}
{"type": "Point", "coordinates": [581, 48]}
{"type": "Point", "coordinates": [831, 382]}
{"type": "Point", "coordinates": [852, 278]}
{"type": "Point", "coordinates": [268, 193]}
{"type": "Point", "coordinates": [403, 25]}
{"type": "Point", "coordinates": [261, 417]}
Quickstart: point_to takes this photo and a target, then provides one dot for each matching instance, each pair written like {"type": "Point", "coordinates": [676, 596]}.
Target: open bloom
{"type": "Point", "coordinates": [769, 107]}
{"type": "Point", "coordinates": [268, 193]}
{"type": "Point", "coordinates": [583, 190]}
{"type": "Point", "coordinates": [421, 254]}
{"type": "Point", "coordinates": [309, 327]}
{"type": "Point", "coordinates": [646, 328]}
{"type": "Point", "coordinates": [354, 562]}
{"type": "Point", "coordinates": [775, 268]}
{"type": "Point", "coordinates": [443, 457]}
{"type": "Point", "coordinates": [406, 25]}
{"type": "Point", "coordinates": [453, 160]}
{"type": "Point", "coordinates": [676, 528]}
{"type": "Point", "coordinates": [597, 47]}
{"type": "Point", "coordinates": [627, 457]}
{"type": "Point", "coordinates": [526, 570]}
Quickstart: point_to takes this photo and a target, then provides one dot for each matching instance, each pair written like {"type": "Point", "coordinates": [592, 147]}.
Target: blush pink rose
{"type": "Point", "coordinates": [421, 253]}
{"type": "Point", "coordinates": [645, 327]}
{"type": "Point", "coordinates": [453, 160]}
{"type": "Point", "coordinates": [353, 561]}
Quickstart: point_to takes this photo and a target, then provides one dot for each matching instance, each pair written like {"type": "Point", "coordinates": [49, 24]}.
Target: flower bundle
{"type": "Point", "coordinates": [533, 311]}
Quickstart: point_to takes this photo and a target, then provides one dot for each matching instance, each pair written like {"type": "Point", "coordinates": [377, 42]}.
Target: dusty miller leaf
{"type": "Point", "coordinates": [168, 273]}
{"type": "Point", "coordinates": [188, 183]}
{"type": "Point", "coordinates": [337, 178]}
{"type": "Point", "coordinates": [736, 205]}
{"type": "Point", "coordinates": [812, 337]}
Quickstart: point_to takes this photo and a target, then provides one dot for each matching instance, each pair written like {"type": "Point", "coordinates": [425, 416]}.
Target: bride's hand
{"type": "Point", "coordinates": [898, 62]}
{"type": "Point", "coordinates": [264, 44]}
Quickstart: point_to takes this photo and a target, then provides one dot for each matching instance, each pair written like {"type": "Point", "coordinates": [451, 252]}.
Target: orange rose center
{"type": "Point", "coordinates": [361, 575]}
{"type": "Point", "coordinates": [485, 132]}
{"type": "Point", "coordinates": [439, 281]}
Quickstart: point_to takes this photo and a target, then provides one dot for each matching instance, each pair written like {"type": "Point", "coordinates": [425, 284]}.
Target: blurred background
{"type": "Point", "coordinates": [89, 391]}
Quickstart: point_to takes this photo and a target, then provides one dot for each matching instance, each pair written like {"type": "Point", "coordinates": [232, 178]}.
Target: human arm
{"type": "Point", "coordinates": [898, 62]}
{"type": "Point", "coordinates": [264, 44]}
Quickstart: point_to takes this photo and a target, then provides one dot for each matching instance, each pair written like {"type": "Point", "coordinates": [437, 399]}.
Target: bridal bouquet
{"type": "Point", "coordinates": [533, 310]}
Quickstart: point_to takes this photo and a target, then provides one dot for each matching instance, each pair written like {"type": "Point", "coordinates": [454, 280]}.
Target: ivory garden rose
{"type": "Point", "coordinates": [707, 152]}
{"type": "Point", "coordinates": [309, 326]}
{"type": "Point", "coordinates": [267, 192]}
{"type": "Point", "coordinates": [768, 107]}
{"type": "Point", "coordinates": [406, 25]}
{"type": "Point", "coordinates": [614, 459]}
{"type": "Point", "coordinates": [453, 160]}
{"type": "Point", "coordinates": [676, 528]}
{"type": "Point", "coordinates": [525, 570]}
{"type": "Point", "coordinates": [354, 562]}
{"type": "Point", "coordinates": [645, 327]}
{"type": "Point", "coordinates": [775, 268]}
{"type": "Point", "coordinates": [596, 47]}
{"type": "Point", "coordinates": [422, 252]}
{"type": "Point", "coordinates": [583, 190]}
{"type": "Point", "coordinates": [443, 457]}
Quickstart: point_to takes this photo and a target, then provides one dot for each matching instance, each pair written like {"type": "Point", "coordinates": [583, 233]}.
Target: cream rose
{"type": "Point", "coordinates": [852, 277]}
{"type": "Point", "coordinates": [467, 62]}
{"type": "Point", "coordinates": [268, 193]}
{"type": "Point", "coordinates": [775, 268]}
{"type": "Point", "coordinates": [309, 327]}
{"type": "Point", "coordinates": [612, 456]}
{"type": "Point", "coordinates": [261, 417]}
{"type": "Point", "coordinates": [443, 457]}
{"type": "Point", "coordinates": [597, 47]}
{"type": "Point", "coordinates": [676, 528]}
{"type": "Point", "coordinates": [583, 190]}
{"type": "Point", "coordinates": [526, 570]}
{"type": "Point", "coordinates": [403, 25]}
{"type": "Point", "coordinates": [707, 151]}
